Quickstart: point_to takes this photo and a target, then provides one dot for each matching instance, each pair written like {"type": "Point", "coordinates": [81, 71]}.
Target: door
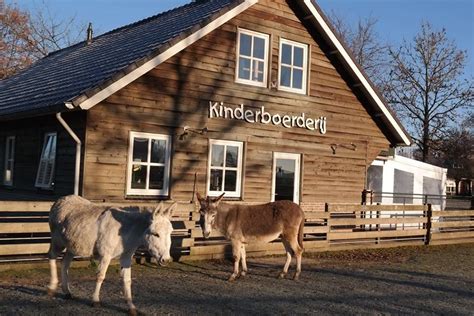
{"type": "Point", "coordinates": [286, 177]}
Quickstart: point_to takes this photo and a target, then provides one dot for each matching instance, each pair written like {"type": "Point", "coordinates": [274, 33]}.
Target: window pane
{"type": "Point", "coordinates": [216, 180]}
{"type": "Point", "coordinates": [298, 60]}
{"type": "Point", "coordinates": [374, 182]}
{"type": "Point", "coordinates": [232, 156]}
{"type": "Point", "coordinates": [52, 153]}
{"type": "Point", "coordinates": [434, 189]}
{"type": "Point", "coordinates": [230, 180]}
{"type": "Point", "coordinates": [139, 177]}
{"type": "Point", "coordinates": [47, 149]}
{"type": "Point", "coordinates": [157, 178]}
{"type": "Point", "coordinates": [158, 150]}
{"type": "Point", "coordinates": [244, 68]}
{"type": "Point", "coordinates": [285, 76]}
{"type": "Point", "coordinates": [140, 150]}
{"type": "Point", "coordinates": [245, 45]}
{"type": "Point", "coordinates": [297, 78]}
{"type": "Point", "coordinates": [259, 47]}
{"type": "Point", "coordinates": [285, 179]}
{"type": "Point", "coordinates": [403, 187]}
{"type": "Point", "coordinates": [257, 74]}
{"type": "Point", "coordinates": [10, 148]}
{"type": "Point", "coordinates": [217, 156]}
{"type": "Point", "coordinates": [8, 172]}
{"type": "Point", "coordinates": [286, 54]}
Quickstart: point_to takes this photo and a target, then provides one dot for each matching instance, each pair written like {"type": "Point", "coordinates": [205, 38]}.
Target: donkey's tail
{"type": "Point", "coordinates": [301, 234]}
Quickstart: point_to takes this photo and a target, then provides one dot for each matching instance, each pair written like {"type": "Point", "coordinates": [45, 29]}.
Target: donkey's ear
{"type": "Point", "coordinates": [170, 209]}
{"type": "Point", "coordinates": [219, 199]}
{"type": "Point", "coordinates": [199, 197]}
{"type": "Point", "coordinates": [158, 209]}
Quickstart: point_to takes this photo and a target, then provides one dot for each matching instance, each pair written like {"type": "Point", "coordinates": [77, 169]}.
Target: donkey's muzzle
{"type": "Point", "coordinates": [164, 261]}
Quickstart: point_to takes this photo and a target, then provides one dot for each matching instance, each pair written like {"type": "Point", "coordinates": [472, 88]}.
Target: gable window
{"type": "Point", "coordinates": [44, 177]}
{"type": "Point", "coordinates": [9, 160]}
{"type": "Point", "coordinates": [293, 66]}
{"type": "Point", "coordinates": [148, 164]}
{"type": "Point", "coordinates": [252, 58]}
{"type": "Point", "coordinates": [225, 168]}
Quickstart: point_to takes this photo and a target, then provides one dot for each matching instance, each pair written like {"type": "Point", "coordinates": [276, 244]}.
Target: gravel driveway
{"type": "Point", "coordinates": [416, 280]}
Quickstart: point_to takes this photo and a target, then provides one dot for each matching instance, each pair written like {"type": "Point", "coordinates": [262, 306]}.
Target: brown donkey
{"type": "Point", "coordinates": [242, 224]}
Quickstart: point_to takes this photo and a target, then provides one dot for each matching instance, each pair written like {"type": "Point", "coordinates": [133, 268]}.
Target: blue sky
{"type": "Point", "coordinates": [397, 19]}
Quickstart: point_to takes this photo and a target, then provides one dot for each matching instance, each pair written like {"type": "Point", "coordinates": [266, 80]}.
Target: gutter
{"type": "Point", "coordinates": [78, 152]}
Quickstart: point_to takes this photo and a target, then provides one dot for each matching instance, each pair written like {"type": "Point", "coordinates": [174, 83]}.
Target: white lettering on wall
{"type": "Point", "coordinates": [218, 109]}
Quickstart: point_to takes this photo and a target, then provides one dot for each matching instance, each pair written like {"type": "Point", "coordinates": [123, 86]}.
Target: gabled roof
{"type": "Point", "coordinates": [83, 75]}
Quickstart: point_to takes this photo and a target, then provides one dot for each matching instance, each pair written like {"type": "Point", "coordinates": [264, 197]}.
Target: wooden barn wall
{"type": "Point", "coordinates": [177, 94]}
{"type": "Point", "coordinates": [29, 137]}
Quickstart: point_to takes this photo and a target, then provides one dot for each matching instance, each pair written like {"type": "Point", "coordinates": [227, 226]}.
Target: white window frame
{"type": "Point", "coordinates": [49, 160]}
{"type": "Point", "coordinates": [166, 164]}
{"type": "Point", "coordinates": [297, 159]}
{"type": "Point", "coordinates": [238, 186]}
{"type": "Point", "coordinates": [305, 67]}
{"type": "Point", "coordinates": [9, 160]}
{"type": "Point", "coordinates": [265, 37]}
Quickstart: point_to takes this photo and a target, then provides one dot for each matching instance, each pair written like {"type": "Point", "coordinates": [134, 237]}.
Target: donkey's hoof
{"type": "Point", "coordinates": [96, 304]}
{"type": "Point", "coordinates": [51, 292]}
{"type": "Point", "coordinates": [132, 312]}
{"type": "Point", "coordinates": [232, 278]}
{"type": "Point", "coordinates": [282, 275]}
{"type": "Point", "coordinates": [68, 296]}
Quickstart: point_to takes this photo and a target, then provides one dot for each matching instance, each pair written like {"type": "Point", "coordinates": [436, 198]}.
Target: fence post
{"type": "Point", "coordinates": [328, 222]}
{"type": "Point", "coordinates": [364, 197]}
{"type": "Point", "coordinates": [429, 215]}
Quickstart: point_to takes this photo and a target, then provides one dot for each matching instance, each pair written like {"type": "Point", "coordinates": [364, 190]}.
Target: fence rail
{"type": "Point", "coordinates": [24, 229]}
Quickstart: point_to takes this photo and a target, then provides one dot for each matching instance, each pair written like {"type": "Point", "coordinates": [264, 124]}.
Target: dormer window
{"type": "Point", "coordinates": [293, 69]}
{"type": "Point", "coordinates": [252, 58]}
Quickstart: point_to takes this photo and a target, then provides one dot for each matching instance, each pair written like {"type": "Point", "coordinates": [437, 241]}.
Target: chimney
{"type": "Point", "coordinates": [89, 34]}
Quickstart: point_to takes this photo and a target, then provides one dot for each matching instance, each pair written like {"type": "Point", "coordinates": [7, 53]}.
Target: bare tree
{"type": "Point", "coordinates": [456, 150]}
{"type": "Point", "coordinates": [16, 49]}
{"type": "Point", "coordinates": [427, 88]}
{"type": "Point", "coordinates": [51, 32]}
{"type": "Point", "coordinates": [365, 45]}
{"type": "Point", "coordinates": [28, 36]}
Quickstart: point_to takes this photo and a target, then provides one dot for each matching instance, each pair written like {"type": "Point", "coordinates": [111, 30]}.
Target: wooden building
{"type": "Point", "coordinates": [258, 99]}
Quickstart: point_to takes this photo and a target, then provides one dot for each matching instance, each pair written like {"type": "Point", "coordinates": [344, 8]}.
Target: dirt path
{"type": "Point", "coordinates": [434, 280]}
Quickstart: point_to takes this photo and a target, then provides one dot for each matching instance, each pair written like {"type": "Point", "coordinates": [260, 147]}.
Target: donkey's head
{"type": "Point", "coordinates": [208, 211]}
{"type": "Point", "coordinates": [158, 234]}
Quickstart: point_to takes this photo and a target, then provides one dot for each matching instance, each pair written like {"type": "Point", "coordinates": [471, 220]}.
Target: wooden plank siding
{"type": "Point", "coordinates": [29, 137]}
{"type": "Point", "coordinates": [177, 94]}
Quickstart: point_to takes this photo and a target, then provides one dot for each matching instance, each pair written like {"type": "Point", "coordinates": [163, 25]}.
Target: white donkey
{"type": "Point", "coordinates": [85, 229]}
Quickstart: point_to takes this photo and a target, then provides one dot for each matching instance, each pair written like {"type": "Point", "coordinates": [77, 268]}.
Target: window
{"type": "Point", "coordinates": [44, 178]}
{"type": "Point", "coordinates": [293, 66]}
{"type": "Point", "coordinates": [9, 160]}
{"type": "Point", "coordinates": [403, 187]}
{"type": "Point", "coordinates": [375, 182]}
{"type": "Point", "coordinates": [433, 189]}
{"type": "Point", "coordinates": [148, 164]}
{"type": "Point", "coordinates": [225, 168]}
{"type": "Point", "coordinates": [252, 58]}
{"type": "Point", "coordinates": [286, 177]}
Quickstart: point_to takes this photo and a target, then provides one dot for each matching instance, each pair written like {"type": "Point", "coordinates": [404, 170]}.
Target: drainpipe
{"type": "Point", "coordinates": [78, 152]}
